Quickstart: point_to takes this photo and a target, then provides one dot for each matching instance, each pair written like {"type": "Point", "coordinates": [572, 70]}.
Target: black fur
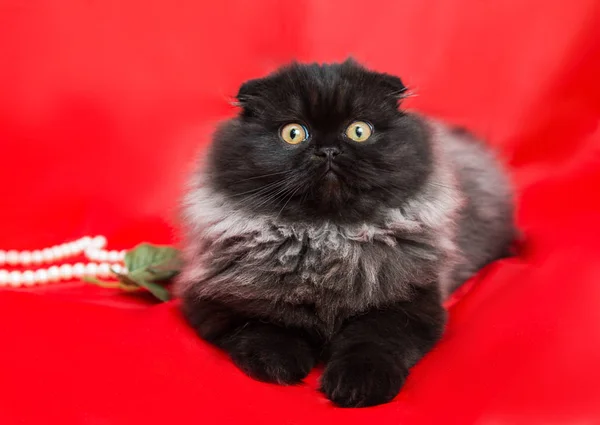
{"type": "Point", "coordinates": [367, 358]}
{"type": "Point", "coordinates": [248, 155]}
{"type": "Point", "coordinates": [286, 267]}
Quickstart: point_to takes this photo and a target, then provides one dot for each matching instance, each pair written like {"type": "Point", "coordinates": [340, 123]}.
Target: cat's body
{"type": "Point", "coordinates": [350, 272]}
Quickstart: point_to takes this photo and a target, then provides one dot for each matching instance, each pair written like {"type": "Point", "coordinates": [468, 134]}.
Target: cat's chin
{"type": "Point", "coordinates": [330, 193]}
{"type": "Point", "coordinates": [330, 186]}
{"type": "Point", "coordinates": [330, 177]}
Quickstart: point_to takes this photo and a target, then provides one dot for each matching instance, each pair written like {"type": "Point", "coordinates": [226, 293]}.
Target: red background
{"type": "Point", "coordinates": [103, 105]}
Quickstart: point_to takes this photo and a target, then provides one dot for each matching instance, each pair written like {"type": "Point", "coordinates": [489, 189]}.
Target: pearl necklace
{"type": "Point", "coordinates": [103, 262]}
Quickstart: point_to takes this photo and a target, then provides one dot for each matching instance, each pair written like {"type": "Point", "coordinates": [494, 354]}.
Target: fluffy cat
{"type": "Point", "coordinates": [326, 224]}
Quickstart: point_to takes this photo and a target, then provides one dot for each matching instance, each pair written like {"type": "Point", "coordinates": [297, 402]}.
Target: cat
{"type": "Point", "coordinates": [326, 224]}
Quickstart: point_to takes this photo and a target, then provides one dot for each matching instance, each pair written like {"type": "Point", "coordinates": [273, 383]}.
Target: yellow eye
{"type": "Point", "coordinates": [359, 131]}
{"type": "Point", "coordinates": [293, 133]}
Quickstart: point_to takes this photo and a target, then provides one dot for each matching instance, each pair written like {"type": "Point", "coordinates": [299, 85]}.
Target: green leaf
{"type": "Point", "coordinates": [126, 283]}
{"type": "Point", "coordinates": [146, 255]}
{"type": "Point", "coordinates": [139, 279]}
{"type": "Point", "coordinates": [148, 264]}
{"type": "Point", "coordinates": [158, 291]}
{"type": "Point", "coordinates": [167, 269]}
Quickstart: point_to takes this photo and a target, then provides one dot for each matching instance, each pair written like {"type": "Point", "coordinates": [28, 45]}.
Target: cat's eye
{"type": "Point", "coordinates": [293, 133]}
{"type": "Point", "coordinates": [359, 131]}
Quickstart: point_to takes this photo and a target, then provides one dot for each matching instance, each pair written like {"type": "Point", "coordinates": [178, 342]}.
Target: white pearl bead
{"type": "Point", "coordinates": [122, 254]}
{"type": "Point", "coordinates": [99, 242]}
{"type": "Point", "coordinates": [90, 253]}
{"type": "Point", "coordinates": [28, 278]}
{"type": "Point", "coordinates": [66, 272]}
{"type": "Point", "coordinates": [25, 258]}
{"type": "Point", "coordinates": [53, 274]}
{"type": "Point", "coordinates": [2, 257]}
{"type": "Point", "coordinates": [48, 255]}
{"type": "Point", "coordinates": [15, 279]}
{"type": "Point", "coordinates": [12, 257]}
{"type": "Point", "coordinates": [85, 242]}
{"type": "Point", "coordinates": [113, 256]}
{"type": "Point", "coordinates": [67, 249]}
{"type": "Point", "coordinates": [57, 252]}
{"type": "Point", "coordinates": [106, 256]}
{"type": "Point", "coordinates": [37, 257]}
{"type": "Point", "coordinates": [104, 270]}
{"type": "Point", "coordinates": [117, 268]}
{"type": "Point", "coordinates": [78, 270]}
{"type": "Point", "coordinates": [4, 277]}
{"type": "Point", "coordinates": [41, 276]}
{"type": "Point", "coordinates": [91, 269]}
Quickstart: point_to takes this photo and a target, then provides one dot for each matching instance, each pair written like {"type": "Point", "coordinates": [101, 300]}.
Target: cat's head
{"type": "Point", "coordinates": [320, 141]}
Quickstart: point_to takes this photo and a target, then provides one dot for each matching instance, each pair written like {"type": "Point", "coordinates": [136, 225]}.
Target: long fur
{"type": "Point", "coordinates": [375, 254]}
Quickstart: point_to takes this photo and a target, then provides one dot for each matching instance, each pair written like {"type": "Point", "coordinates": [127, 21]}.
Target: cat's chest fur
{"type": "Point", "coordinates": [331, 268]}
{"type": "Point", "coordinates": [319, 268]}
{"type": "Point", "coordinates": [317, 263]}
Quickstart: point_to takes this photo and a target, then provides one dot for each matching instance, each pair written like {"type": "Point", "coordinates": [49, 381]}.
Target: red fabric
{"type": "Point", "coordinates": [104, 103]}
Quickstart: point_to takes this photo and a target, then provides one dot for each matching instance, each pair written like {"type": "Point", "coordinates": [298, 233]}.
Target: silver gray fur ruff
{"type": "Point", "coordinates": [460, 221]}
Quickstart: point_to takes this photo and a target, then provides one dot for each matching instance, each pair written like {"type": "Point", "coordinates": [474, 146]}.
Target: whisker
{"type": "Point", "coordinates": [260, 189]}
{"type": "Point", "coordinates": [272, 195]}
{"type": "Point", "coordinates": [263, 176]}
{"type": "Point", "coordinates": [440, 185]}
{"type": "Point", "coordinates": [267, 194]}
{"type": "Point", "coordinates": [289, 199]}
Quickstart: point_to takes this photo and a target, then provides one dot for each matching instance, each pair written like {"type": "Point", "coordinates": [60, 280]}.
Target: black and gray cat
{"type": "Point", "coordinates": [327, 224]}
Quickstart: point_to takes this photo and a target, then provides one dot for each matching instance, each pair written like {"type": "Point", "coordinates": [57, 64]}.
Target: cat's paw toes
{"type": "Point", "coordinates": [362, 379]}
{"type": "Point", "coordinates": [278, 359]}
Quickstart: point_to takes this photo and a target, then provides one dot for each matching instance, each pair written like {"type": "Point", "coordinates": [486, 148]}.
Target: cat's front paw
{"type": "Point", "coordinates": [362, 378]}
{"type": "Point", "coordinates": [271, 354]}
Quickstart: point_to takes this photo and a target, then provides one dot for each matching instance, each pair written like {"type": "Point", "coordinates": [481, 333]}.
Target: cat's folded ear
{"type": "Point", "coordinates": [248, 96]}
{"type": "Point", "coordinates": [392, 86]}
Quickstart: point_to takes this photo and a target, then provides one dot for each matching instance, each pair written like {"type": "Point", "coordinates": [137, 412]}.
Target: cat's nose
{"type": "Point", "coordinates": [328, 152]}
